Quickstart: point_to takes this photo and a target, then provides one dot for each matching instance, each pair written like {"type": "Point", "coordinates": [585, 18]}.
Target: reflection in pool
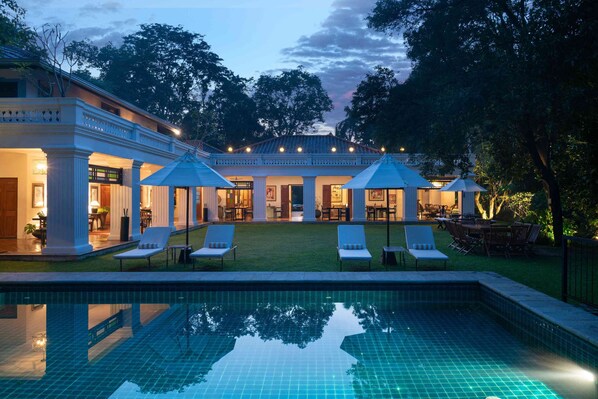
{"type": "Point", "coordinates": [266, 345]}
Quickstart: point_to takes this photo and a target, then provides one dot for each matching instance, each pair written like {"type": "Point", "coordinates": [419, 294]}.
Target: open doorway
{"type": "Point", "coordinates": [296, 203]}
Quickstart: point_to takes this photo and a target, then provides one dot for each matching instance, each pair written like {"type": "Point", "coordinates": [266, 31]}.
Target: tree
{"type": "Point", "coordinates": [362, 123]}
{"type": "Point", "coordinates": [161, 68]}
{"type": "Point", "coordinates": [13, 31]}
{"type": "Point", "coordinates": [500, 63]}
{"type": "Point", "coordinates": [290, 103]}
{"type": "Point", "coordinates": [226, 117]}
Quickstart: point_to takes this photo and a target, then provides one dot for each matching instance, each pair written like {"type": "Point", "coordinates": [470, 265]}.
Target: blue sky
{"type": "Point", "coordinates": [328, 37]}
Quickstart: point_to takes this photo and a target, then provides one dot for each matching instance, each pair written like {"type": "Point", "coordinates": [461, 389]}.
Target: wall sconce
{"type": "Point", "coordinates": [39, 343]}
{"type": "Point", "coordinates": [40, 167]}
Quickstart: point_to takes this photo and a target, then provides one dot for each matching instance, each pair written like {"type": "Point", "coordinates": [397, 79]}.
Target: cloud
{"type": "Point", "coordinates": [344, 50]}
{"type": "Point", "coordinates": [108, 7]}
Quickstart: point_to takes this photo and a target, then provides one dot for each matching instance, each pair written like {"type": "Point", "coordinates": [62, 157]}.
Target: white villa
{"type": "Point", "coordinates": [69, 156]}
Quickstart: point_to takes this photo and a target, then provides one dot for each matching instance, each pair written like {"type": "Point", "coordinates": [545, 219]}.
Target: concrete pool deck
{"type": "Point", "coordinates": [572, 319]}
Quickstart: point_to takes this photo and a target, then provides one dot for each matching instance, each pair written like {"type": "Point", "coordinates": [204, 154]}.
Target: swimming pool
{"type": "Point", "coordinates": [223, 340]}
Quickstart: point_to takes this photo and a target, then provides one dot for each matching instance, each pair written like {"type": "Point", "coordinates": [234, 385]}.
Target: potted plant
{"type": "Point", "coordinates": [32, 229]}
{"type": "Point", "coordinates": [102, 213]}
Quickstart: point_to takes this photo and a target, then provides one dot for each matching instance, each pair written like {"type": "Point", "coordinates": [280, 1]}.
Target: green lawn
{"type": "Point", "coordinates": [312, 247]}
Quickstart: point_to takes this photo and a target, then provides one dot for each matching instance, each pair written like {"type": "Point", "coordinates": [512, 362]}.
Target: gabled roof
{"type": "Point", "coordinates": [10, 55]}
{"type": "Point", "coordinates": [309, 144]}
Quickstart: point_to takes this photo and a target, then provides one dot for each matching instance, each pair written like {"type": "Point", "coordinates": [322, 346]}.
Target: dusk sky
{"type": "Point", "coordinates": [327, 37]}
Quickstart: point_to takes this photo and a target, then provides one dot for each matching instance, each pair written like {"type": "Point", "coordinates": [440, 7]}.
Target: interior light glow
{"type": "Point", "coordinates": [585, 375]}
{"type": "Point", "coordinates": [351, 149]}
{"type": "Point", "coordinates": [281, 149]}
{"type": "Point", "coordinates": [41, 166]}
{"type": "Point", "coordinates": [436, 184]}
{"type": "Point", "coordinates": [333, 149]}
{"type": "Point", "coordinates": [229, 149]}
{"type": "Point", "coordinates": [248, 149]}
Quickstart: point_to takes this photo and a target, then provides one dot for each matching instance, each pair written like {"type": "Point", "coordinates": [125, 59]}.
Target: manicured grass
{"type": "Point", "coordinates": [312, 247]}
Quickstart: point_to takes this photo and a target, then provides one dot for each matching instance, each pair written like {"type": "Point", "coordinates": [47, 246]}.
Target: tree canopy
{"type": "Point", "coordinates": [290, 103]}
{"type": "Point", "coordinates": [13, 30]}
{"type": "Point", "coordinates": [503, 71]}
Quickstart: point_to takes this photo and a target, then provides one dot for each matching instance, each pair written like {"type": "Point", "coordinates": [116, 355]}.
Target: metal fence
{"type": "Point", "coordinates": [580, 271]}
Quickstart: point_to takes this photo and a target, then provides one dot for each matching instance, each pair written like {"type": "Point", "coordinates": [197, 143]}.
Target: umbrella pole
{"type": "Point", "coordinates": [387, 220]}
{"type": "Point", "coordinates": [187, 228]}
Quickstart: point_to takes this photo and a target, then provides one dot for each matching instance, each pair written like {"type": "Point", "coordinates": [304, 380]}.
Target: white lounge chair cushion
{"type": "Point", "coordinates": [138, 253]}
{"type": "Point", "coordinates": [354, 254]}
{"type": "Point", "coordinates": [210, 252]}
{"type": "Point", "coordinates": [428, 254]}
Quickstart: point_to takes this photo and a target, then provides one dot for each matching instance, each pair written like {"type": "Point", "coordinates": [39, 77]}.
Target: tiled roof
{"type": "Point", "coordinates": [309, 144]}
{"type": "Point", "coordinates": [10, 54]}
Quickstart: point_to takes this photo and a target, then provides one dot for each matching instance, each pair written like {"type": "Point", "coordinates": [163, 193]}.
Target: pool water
{"type": "Point", "coordinates": [269, 345]}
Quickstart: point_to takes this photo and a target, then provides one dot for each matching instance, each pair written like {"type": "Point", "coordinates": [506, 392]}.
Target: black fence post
{"type": "Point", "coordinates": [565, 269]}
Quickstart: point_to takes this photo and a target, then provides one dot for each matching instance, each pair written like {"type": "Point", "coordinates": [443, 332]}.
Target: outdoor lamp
{"type": "Point", "coordinates": [248, 149]}
{"type": "Point", "coordinates": [383, 149]}
{"type": "Point", "coordinates": [299, 149]}
{"type": "Point", "coordinates": [333, 149]}
{"type": "Point", "coordinates": [402, 149]}
{"type": "Point", "coordinates": [351, 149]}
{"type": "Point", "coordinates": [38, 344]}
{"type": "Point", "coordinates": [230, 149]}
{"type": "Point", "coordinates": [281, 149]}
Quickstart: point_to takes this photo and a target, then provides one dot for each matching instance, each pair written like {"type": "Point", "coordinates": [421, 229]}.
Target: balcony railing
{"type": "Point", "coordinates": [75, 112]}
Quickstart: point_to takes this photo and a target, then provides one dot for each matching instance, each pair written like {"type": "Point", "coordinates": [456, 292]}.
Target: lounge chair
{"type": "Point", "coordinates": [153, 241]}
{"type": "Point", "coordinates": [421, 245]}
{"type": "Point", "coordinates": [217, 243]}
{"type": "Point", "coordinates": [351, 244]}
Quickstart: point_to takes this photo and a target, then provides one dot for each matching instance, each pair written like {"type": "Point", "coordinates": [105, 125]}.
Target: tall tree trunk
{"type": "Point", "coordinates": [542, 163]}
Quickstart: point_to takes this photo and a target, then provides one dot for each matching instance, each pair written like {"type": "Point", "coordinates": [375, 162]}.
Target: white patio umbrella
{"type": "Point", "coordinates": [463, 185]}
{"type": "Point", "coordinates": [387, 173]}
{"type": "Point", "coordinates": [185, 172]}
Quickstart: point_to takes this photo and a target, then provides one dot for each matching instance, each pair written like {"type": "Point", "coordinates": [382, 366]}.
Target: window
{"type": "Point", "coordinates": [9, 89]}
{"type": "Point", "coordinates": [111, 109]}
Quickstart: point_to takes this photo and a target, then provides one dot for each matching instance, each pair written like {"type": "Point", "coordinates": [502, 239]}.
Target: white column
{"type": "Point", "coordinates": [210, 197]}
{"type": "Point", "coordinates": [126, 196]}
{"type": "Point", "coordinates": [68, 179]}
{"type": "Point", "coordinates": [358, 211]}
{"type": "Point", "coordinates": [259, 198]}
{"type": "Point", "coordinates": [466, 203]}
{"type": "Point", "coordinates": [181, 208]}
{"type": "Point", "coordinates": [409, 211]}
{"type": "Point", "coordinates": [193, 206]}
{"type": "Point", "coordinates": [309, 198]}
{"type": "Point", "coordinates": [163, 206]}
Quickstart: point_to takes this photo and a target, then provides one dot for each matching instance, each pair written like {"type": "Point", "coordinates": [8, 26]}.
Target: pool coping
{"type": "Point", "coordinates": [573, 319]}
